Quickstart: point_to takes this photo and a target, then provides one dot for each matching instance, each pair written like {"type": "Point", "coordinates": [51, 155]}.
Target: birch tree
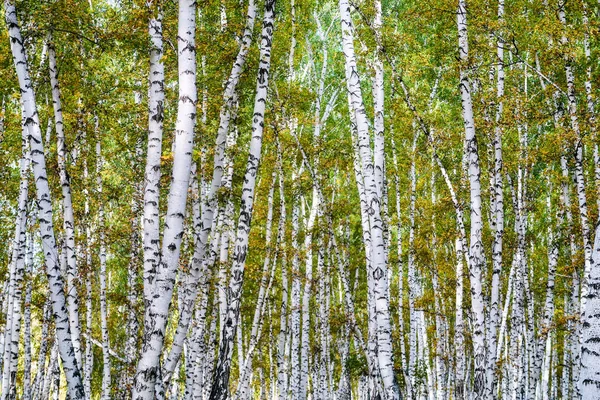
{"type": "Point", "coordinates": [38, 162]}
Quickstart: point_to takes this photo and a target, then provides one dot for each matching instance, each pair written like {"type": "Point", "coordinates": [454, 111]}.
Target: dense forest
{"type": "Point", "coordinates": [299, 199]}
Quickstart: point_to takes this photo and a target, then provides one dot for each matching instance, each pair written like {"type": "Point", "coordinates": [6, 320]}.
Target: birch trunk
{"type": "Point", "coordinates": [266, 276]}
{"type": "Point", "coordinates": [379, 253]}
{"type": "Point", "coordinates": [106, 378]}
{"type": "Point", "coordinates": [132, 329]}
{"type": "Point", "coordinates": [367, 242]}
{"type": "Point", "coordinates": [67, 203]}
{"type": "Point", "coordinates": [65, 344]}
{"type": "Point", "coordinates": [27, 336]}
{"type": "Point", "coordinates": [89, 355]}
{"type": "Point", "coordinates": [476, 257]}
{"type": "Point", "coordinates": [413, 283]}
{"type": "Point", "coordinates": [282, 361]}
{"type": "Point", "coordinates": [220, 386]}
{"type": "Point", "coordinates": [157, 311]}
{"type": "Point", "coordinates": [309, 225]}
{"type": "Point", "coordinates": [152, 174]}
{"type": "Point", "coordinates": [401, 328]}
{"type": "Point", "coordinates": [498, 218]}
{"type": "Point", "coordinates": [295, 301]}
{"type": "Point", "coordinates": [579, 177]}
{"type": "Point", "coordinates": [459, 340]}
{"type": "Point", "coordinates": [15, 277]}
{"type": "Point", "coordinates": [589, 378]}
{"type": "Point", "coordinates": [203, 230]}
{"type": "Point", "coordinates": [42, 353]}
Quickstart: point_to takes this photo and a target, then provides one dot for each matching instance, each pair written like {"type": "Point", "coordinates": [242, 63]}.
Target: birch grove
{"type": "Point", "coordinates": [327, 200]}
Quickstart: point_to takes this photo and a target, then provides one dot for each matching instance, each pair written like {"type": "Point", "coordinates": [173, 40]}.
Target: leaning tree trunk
{"type": "Point", "coordinates": [15, 282]}
{"type": "Point", "coordinates": [220, 387]}
{"type": "Point", "coordinates": [203, 229]}
{"type": "Point", "coordinates": [68, 219]}
{"type": "Point", "coordinates": [55, 279]}
{"type": "Point", "coordinates": [244, 380]}
{"type": "Point", "coordinates": [157, 314]}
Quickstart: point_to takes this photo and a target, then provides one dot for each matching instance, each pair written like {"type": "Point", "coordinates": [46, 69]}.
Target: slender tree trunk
{"type": "Point", "coordinates": [367, 242]}
{"type": "Point", "coordinates": [476, 257]}
{"type": "Point", "coordinates": [309, 225]}
{"type": "Point", "coordinates": [589, 379]}
{"type": "Point", "coordinates": [89, 354]}
{"type": "Point", "coordinates": [27, 336]}
{"type": "Point", "coordinates": [227, 114]}
{"type": "Point", "coordinates": [15, 276]}
{"type": "Point", "coordinates": [146, 373]}
{"type": "Point", "coordinates": [67, 203]}
{"type": "Point", "coordinates": [42, 353]}
{"type": "Point", "coordinates": [106, 378]}
{"type": "Point", "coordinates": [220, 387]}
{"type": "Point", "coordinates": [132, 330]}
{"type": "Point", "coordinates": [52, 367]}
{"type": "Point", "coordinates": [379, 253]}
{"type": "Point", "coordinates": [295, 300]}
{"type": "Point", "coordinates": [32, 124]}
{"type": "Point", "coordinates": [401, 328]}
{"type": "Point", "coordinates": [579, 177]}
{"type": "Point", "coordinates": [156, 96]}
{"type": "Point", "coordinates": [413, 283]}
{"type": "Point", "coordinates": [282, 362]}
{"type": "Point", "coordinates": [498, 217]}
{"type": "Point", "coordinates": [459, 339]}
{"type": "Point", "coordinates": [157, 313]}
{"type": "Point", "coordinates": [266, 276]}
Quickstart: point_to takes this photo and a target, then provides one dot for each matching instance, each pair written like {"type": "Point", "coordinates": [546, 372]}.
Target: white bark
{"type": "Point", "coordinates": [413, 282]}
{"type": "Point", "coordinates": [400, 264]}
{"type": "Point", "coordinates": [308, 271]}
{"type": "Point", "coordinates": [42, 353]}
{"type": "Point", "coordinates": [476, 257]}
{"type": "Point", "coordinates": [157, 313]}
{"type": "Point", "coordinates": [65, 344]}
{"type": "Point", "coordinates": [89, 355]}
{"type": "Point", "coordinates": [379, 253]}
{"type": "Point", "coordinates": [221, 376]}
{"type": "Point", "coordinates": [106, 378]}
{"type": "Point", "coordinates": [589, 378]}
{"type": "Point", "coordinates": [295, 301]}
{"type": "Point", "coordinates": [459, 340]}
{"type": "Point", "coordinates": [67, 203]}
{"type": "Point", "coordinates": [498, 217]}
{"type": "Point", "coordinates": [257, 320]}
{"type": "Point", "coordinates": [27, 390]}
{"type": "Point", "coordinates": [282, 362]}
{"type": "Point", "coordinates": [367, 242]}
{"type": "Point", "coordinates": [203, 229]}
{"type": "Point", "coordinates": [15, 277]}
{"type": "Point", "coordinates": [152, 174]}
